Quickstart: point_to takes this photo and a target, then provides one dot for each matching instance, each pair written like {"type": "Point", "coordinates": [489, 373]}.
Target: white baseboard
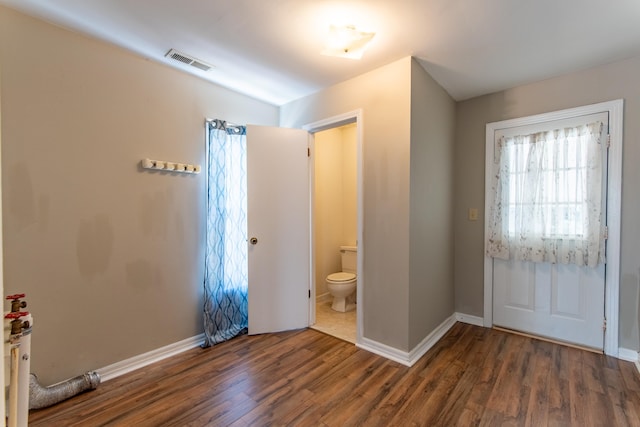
{"type": "Point", "coordinates": [431, 339]}
{"type": "Point", "coordinates": [120, 368]}
{"type": "Point", "coordinates": [467, 318]}
{"type": "Point", "coordinates": [630, 356]}
{"type": "Point", "coordinates": [403, 357]}
{"type": "Point", "coordinates": [384, 350]}
{"type": "Point", "coordinates": [627, 354]}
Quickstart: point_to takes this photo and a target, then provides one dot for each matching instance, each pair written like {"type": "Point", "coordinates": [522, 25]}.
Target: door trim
{"type": "Point", "coordinates": [354, 116]}
{"type": "Point", "coordinates": [614, 199]}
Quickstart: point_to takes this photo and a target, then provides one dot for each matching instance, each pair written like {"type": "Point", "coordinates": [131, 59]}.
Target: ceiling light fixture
{"type": "Point", "coordinates": [346, 42]}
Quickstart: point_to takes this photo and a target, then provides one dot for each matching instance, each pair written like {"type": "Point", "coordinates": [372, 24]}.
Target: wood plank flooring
{"type": "Point", "coordinates": [473, 377]}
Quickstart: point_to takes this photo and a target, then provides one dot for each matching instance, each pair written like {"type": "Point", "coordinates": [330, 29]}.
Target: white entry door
{"type": "Point", "coordinates": [557, 301]}
{"type": "Point", "coordinates": [278, 225]}
{"type": "Point", "coordinates": [562, 302]}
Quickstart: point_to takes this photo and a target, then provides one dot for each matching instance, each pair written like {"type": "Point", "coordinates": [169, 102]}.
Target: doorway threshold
{"type": "Point", "coordinates": [551, 340]}
{"type": "Point", "coordinates": [335, 323]}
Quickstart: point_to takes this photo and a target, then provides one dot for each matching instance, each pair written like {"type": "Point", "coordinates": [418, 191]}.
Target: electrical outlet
{"type": "Point", "coordinates": [473, 214]}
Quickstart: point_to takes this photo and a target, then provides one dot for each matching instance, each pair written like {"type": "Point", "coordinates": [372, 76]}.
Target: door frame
{"type": "Point", "coordinates": [354, 116]}
{"type": "Point", "coordinates": [614, 199]}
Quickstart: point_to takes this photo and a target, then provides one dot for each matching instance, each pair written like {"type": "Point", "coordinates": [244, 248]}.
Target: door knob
{"type": "Point", "coordinates": [253, 240]}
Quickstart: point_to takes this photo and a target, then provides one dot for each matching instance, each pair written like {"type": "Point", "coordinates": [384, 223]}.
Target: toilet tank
{"type": "Point", "coordinates": [349, 255]}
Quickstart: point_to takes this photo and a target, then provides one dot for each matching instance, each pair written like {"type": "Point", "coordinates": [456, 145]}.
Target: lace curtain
{"type": "Point", "coordinates": [548, 197]}
{"type": "Point", "coordinates": [225, 281]}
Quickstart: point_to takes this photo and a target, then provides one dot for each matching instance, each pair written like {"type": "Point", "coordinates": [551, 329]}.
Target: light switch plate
{"type": "Point", "coordinates": [473, 214]}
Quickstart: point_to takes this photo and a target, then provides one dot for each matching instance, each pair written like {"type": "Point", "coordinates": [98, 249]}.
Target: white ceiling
{"type": "Point", "coordinates": [270, 49]}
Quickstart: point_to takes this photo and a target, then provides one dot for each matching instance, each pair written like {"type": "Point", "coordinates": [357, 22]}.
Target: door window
{"type": "Point", "coordinates": [548, 196]}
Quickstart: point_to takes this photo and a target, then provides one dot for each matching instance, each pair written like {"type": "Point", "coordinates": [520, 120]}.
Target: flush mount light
{"type": "Point", "coordinates": [346, 42]}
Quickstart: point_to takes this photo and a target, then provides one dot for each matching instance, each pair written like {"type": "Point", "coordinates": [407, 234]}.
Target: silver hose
{"type": "Point", "coordinates": [41, 397]}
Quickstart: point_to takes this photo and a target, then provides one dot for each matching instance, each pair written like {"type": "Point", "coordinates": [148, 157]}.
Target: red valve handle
{"type": "Point", "coordinates": [16, 314]}
{"type": "Point", "coordinates": [16, 296]}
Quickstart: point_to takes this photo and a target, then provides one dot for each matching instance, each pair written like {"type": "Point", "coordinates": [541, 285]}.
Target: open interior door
{"type": "Point", "coordinates": [278, 223]}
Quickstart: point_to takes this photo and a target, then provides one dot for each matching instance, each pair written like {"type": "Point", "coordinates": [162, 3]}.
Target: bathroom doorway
{"type": "Point", "coordinates": [336, 221]}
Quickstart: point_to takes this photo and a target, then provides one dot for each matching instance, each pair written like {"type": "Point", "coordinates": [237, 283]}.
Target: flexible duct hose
{"type": "Point", "coordinates": [41, 397]}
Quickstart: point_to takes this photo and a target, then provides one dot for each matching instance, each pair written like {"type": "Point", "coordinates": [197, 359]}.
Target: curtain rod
{"type": "Point", "coordinates": [227, 123]}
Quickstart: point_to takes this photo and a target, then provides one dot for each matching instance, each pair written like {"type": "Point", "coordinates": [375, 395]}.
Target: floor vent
{"type": "Point", "coordinates": [189, 60]}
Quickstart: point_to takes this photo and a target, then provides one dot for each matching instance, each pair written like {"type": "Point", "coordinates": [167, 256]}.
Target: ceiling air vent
{"type": "Point", "coordinates": [189, 60]}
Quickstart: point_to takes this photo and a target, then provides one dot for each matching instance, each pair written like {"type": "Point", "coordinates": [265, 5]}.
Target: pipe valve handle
{"type": "Point", "coordinates": [16, 296]}
{"type": "Point", "coordinates": [16, 314]}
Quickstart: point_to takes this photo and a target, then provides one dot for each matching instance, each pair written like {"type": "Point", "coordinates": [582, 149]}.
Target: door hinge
{"type": "Point", "coordinates": [308, 152]}
{"type": "Point", "coordinates": [309, 293]}
{"type": "Point", "coordinates": [604, 324]}
{"type": "Point", "coordinates": [608, 140]}
{"type": "Point", "coordinates": [606, 232]}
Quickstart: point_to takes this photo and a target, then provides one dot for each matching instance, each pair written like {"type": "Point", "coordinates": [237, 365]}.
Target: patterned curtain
{"type": "Point", "coordinates": [548, 197]}
{"type": "Point", "coordinates": [225, 279]}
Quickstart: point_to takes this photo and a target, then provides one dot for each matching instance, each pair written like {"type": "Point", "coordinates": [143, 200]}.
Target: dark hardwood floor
{"type": "Point", "coordinates": [473, 376]}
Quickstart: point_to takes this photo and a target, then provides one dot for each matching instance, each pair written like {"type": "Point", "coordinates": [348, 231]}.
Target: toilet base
{"type": "Point", "coordinates": [342, 305]}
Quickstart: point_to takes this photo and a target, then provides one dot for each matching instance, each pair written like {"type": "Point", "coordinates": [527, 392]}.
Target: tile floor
{"type": "Point", "coordinates": [340, 325]}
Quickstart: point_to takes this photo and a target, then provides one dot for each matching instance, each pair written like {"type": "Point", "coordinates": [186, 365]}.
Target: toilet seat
{"type": "Point", "coordinates": [341, 277]}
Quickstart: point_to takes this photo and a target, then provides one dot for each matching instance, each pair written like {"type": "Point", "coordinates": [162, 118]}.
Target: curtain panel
{"type": "Point", "coordinates": [225, 280]}
{"type": "Point", "coordinates": [548, 190]}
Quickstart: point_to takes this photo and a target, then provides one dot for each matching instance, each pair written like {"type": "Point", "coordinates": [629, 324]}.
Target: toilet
{"type": "Point", "coordinates": [343, 284]}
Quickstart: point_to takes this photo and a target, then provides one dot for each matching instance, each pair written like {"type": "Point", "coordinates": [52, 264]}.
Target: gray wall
{"type": "Point", "coordinates": [109, 255]}
{"type": "Point", "coordinates": [605, 83]}
{"type": "Point", "coordinates": [408, 135]}
{"type": "Point", "coordinates": [431, 224]}
{"type": "Point", "coordinates": [384, 97]}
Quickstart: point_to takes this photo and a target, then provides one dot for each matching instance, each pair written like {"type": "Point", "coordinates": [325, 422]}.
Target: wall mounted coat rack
{"type": "Point", "coordinates": [170, 166]}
